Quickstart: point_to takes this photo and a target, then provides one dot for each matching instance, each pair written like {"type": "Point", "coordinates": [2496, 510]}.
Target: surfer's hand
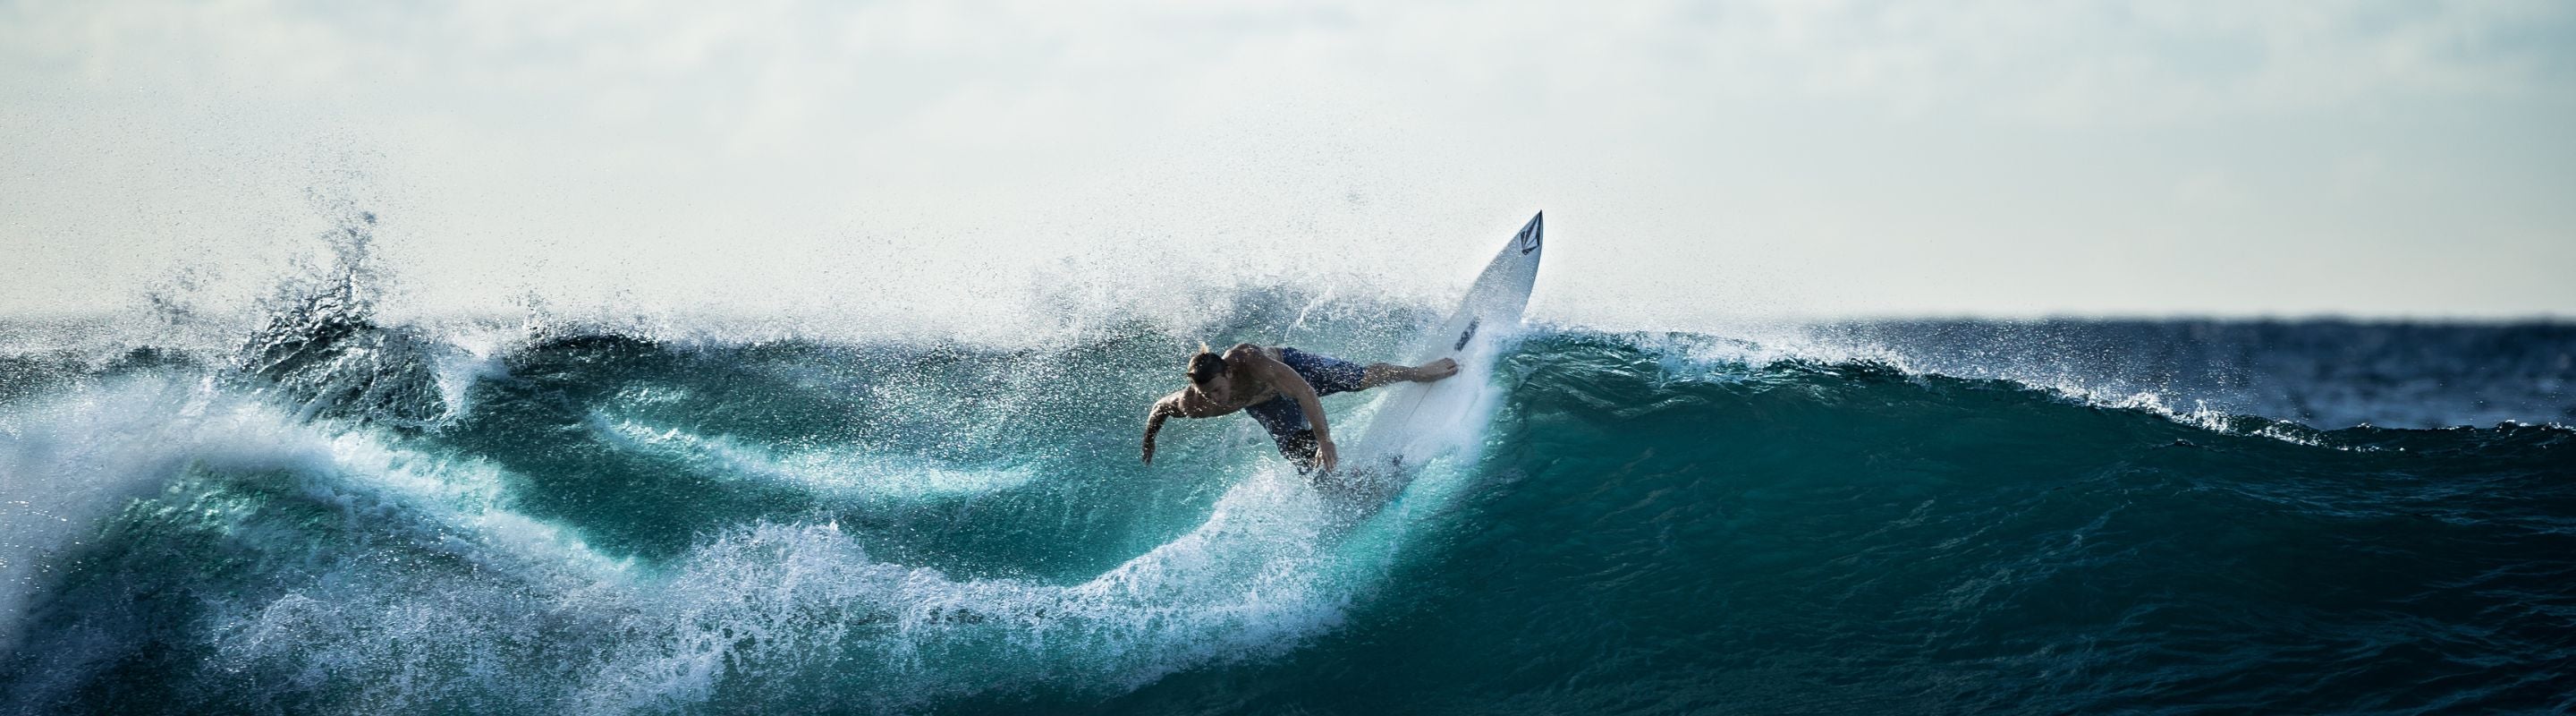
{"type": "Point", "coordinates": [1324, 457]}
{"type": "Point", "coordinates": [1149, 451]}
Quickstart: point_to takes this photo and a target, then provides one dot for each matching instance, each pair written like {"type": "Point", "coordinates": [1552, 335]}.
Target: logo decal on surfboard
{"type": "Point", "coordinates": [1468, 335]}
{"type": "Point", "coordinates": [1529, 234]}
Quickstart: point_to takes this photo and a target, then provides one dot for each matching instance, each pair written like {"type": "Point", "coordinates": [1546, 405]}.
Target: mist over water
{"type": "Point", "coordinates": [321, 500]}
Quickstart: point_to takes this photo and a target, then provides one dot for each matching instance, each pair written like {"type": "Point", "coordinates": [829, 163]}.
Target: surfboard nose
{"type": "Point", "coordinates": [1529, 238]}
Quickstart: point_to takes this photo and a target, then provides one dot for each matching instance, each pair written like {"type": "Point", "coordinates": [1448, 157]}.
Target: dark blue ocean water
{"type": "Point", "coordinates": [334, 515]}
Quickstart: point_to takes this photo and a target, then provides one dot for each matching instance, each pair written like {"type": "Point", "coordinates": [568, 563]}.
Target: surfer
{"type": "Point", "coordinates": [1279, 386]}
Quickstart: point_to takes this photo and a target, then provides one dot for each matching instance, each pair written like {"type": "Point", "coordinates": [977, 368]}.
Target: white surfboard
{"type": "Point", "coordinates": [1418, 421]}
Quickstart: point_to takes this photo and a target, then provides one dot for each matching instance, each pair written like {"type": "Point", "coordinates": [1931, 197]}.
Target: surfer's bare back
{"type": "Point", "coordinates": [1279, 386]}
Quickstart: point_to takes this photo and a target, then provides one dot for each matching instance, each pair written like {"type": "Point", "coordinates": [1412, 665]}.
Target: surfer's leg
{"type": "Point", "coordinates": [1326, 374]}
{"type": "Point", "coordinates": [1379, 374]}
{"type": "Point", "coordinates": [1288, 427]}
{"type": "Point", "coordinates": [1298, 446]}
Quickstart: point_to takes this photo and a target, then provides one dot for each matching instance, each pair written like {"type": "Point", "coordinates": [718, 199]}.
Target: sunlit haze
{"type": "Point", "coordinates": [1697, 161]}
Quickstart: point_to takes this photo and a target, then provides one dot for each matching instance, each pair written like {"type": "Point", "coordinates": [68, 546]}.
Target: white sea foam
{"type": "Point", "coordinates": [67, 461]}
{"type": "Point", "coordinates": [841, 473]}
{"type": "Point", "coordinates": [521, 614]}
{"type": "Point", "coordinates": [1730, 359]}
{"type": "Point", "coordinates": [775, 602]}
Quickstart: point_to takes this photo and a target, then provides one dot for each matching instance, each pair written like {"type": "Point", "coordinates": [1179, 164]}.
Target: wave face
{"type": "Point", "coordinates": [348, 517]}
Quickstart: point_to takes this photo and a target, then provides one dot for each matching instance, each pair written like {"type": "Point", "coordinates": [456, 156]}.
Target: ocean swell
{"type": "Point", "coordinates": [346, 515]}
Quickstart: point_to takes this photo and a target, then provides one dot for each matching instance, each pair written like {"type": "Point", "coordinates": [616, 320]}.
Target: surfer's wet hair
{"type": "Point", "coordinates": [1206, 366]}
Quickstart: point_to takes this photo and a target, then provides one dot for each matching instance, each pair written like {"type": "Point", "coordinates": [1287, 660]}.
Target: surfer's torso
{"type": "Point", "coordinates": [1242, 387]}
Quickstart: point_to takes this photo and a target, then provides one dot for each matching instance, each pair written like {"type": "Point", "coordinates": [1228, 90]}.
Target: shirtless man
{"type": "Point", "coordinates": [1279, 386]}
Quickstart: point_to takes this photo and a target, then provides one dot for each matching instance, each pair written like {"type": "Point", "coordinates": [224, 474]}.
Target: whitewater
{"type": "Point", "coordinates": [334, 511]}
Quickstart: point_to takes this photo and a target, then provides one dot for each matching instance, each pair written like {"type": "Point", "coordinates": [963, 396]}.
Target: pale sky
{"type": "Point", "coordinates": [1698, 161]}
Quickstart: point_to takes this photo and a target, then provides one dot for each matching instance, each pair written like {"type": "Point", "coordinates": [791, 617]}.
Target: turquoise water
{"type": "Point", "coordinates": [342, 516]}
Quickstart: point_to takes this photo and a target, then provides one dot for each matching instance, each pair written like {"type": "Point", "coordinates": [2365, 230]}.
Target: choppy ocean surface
{"type": "Point", "coordinates": [337, 514]}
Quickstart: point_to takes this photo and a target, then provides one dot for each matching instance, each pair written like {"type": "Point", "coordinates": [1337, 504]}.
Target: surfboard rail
{"type": "Point", "coordinates": [1415, 422]}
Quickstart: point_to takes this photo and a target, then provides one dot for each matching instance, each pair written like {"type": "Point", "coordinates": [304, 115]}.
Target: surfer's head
{"type": "Point", "coordinates": [1206, 366]}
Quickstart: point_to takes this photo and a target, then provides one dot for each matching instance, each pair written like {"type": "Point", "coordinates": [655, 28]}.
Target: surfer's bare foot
{"type": "Point", "coordinates": [1383, 373]}
{"type": "Point", "coordinates": [1435, 370]}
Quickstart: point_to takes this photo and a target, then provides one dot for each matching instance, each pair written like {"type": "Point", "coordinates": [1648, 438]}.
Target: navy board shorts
{"type": "Point", "coordinates": [1281, 416]}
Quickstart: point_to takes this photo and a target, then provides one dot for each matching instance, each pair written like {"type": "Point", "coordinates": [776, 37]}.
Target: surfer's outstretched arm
{"type": "Point", "coordinates": [1165, 408]}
